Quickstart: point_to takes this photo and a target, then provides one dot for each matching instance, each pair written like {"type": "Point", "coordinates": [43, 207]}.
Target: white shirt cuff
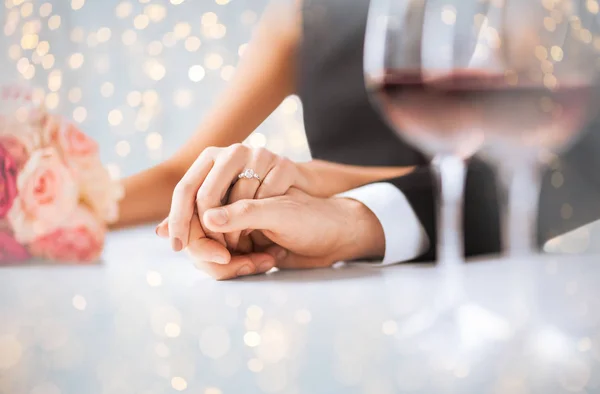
{"type": "Point", "coordinates": [405, 237]}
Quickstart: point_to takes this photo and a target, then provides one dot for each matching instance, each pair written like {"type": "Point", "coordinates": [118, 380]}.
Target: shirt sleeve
{"type": "Point", "coordinates": [405, 237]}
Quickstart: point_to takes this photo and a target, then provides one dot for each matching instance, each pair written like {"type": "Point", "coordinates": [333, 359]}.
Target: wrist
{"type": "Point", "coordinates": [361, 234]}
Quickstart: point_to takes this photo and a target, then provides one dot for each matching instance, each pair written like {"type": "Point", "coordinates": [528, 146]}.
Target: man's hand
{"type": "Point", "coordinates": [295, 230]}
{"type": "Point", "coordinates": [306, 232]}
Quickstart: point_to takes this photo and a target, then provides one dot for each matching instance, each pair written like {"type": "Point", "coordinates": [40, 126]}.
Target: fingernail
{"type": "Point", "coordinates": [156, 230]}
{"type": "Point", "coordinates": [264, 267]}
{"type": "Point", "coordinates": [176, 244]}
{"type": "Point", "coordinates": [217, 258]}
{"type": "Point", "coordinates": [281, 254]}
{"type": "Point", "coordinates": [245, 270]}
{"type": "Point", "coordinates": [217, 216]}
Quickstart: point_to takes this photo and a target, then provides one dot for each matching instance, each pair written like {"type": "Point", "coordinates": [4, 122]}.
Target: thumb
{"type": "Point", "coordinates": [284, 259]}
{"type": "Point", "coordinates": [244, 214]}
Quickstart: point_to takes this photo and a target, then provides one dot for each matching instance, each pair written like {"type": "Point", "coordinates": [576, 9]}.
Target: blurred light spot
{"type": "Point", "coordinates": [257, 140]}
{"type": "Point", "coordinates": [178, 383]}
{"type": "Point", "coordinates": [134, 98]}
{"type": "Point", "coordinates": [155, 48]}
{"type": "Point", "coordinates": [156, 12]}
{"type": "Point", "coordinates": [169, 39]}
{"type": "Point", "coordinates": [76, 61]}
{"type": "Point", "coordinates": [150, 98]}
{"type": "Point", "coordinates": [213, 61]}
{"type": "Point", "coordinates": [389, 327]}
{"type": "Point", "coordinates": [242, 49]}
{"type": "Point", "coordinates": [303, 316]}
{"type": "Point", "coordinates": [77, 34]}
{"type": "Point", "coordinates": [183, 98]}
{"type": "Point", "coordinates": [14, 52]}
{"type": "Point", "coordinates": [154, 141]}
{"type": "Point", "coordinates": [566, 211]}
{"type": "Point", "coordinates": [48, 62]}
{"type": "Point", "coordinates": [254, 312]}
{"type": "Point", "coordinates": [75, 95]}
{"type": "Point", "coordinates": [252, 339]}
{"type": "Point", "coordinates": [255, 365]}
{"type": "Point", "coordinates": [192, 44]}
{"type": "Point", "coordinates": [79, 303]}
{"type": "Point", "coordinates": [215, 31]}
{"type": "Point", "coordinates": [129, 37]}
{"type": "Point", "coordinates": [557, 53]}
{"type": "Point", "coordinates": [124, 9]}
{"type": "Point", "coordinates": [140, 22]}
{"type": "Point", "coordinates": [222, 2]}
{"type": "Point", "coordinates": [55, 80]}
{"type": "Point", "coordinates": [584, 345]}
{"type": "Point", "coordinates": [177, 2]}
{"type": "Point", "coordinates": [162, 350]}
{"type": "Point", "coordinates": [209, 19]}
{"type": "Point", "coordinates": [10, 352]}
{"type": "Point", "coordinates": [592, 6]}
{"type": "Point", "coordinates": [212, 390]}
{"type": "Point", "coordinates": [54, 22]}
{"type": "Point", "coordinates": [550, 81]}
{"type": "Point", "coordinates": [449, 15]}
{"type": "Point", "coordinates": [29, 41]}
{"type": "Point", "coordinates": [215, 342]}
{"type": "Point", "coordinates": [42, 48]}
{"type": "Point", "coordinates": [196, 73]}
{"type": "Point", "coordinates": [172, 330]}
{"type": "Point", "coordinates": [227, 73]}
{"type": "Point", "coordinates": [541, 52]}
{"type": "Point", "coordinates": [77, 4]}
{"type": "Point", "coordinates": [549, 24]}
{"type": "Point", "coordinates": [26, 10]}
{"type": "Point", "coordinates": [123, 148]}
{"type": "Point", "coordinates": [155, 70]}
{"type": "Point", "coordinates": [103, 34]}
{"type": "Point", "coordinates": [115, 117]}
{"type": "Point", "coordinates": [45, 10]}
{"type": "Point", "coordinates": [52, 100]}
{"type": "Point", "coordinates": [79, 114]}
{"type": "Point", "coordinates": [107, 89]}
{"type": "Point", "coordinates": [182, 30]}
{"type": "Point", "coordinates": [154, 279]}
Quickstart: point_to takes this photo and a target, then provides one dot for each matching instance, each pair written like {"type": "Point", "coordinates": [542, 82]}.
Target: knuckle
{"type": "Point", "coordinates": [237, 149]}
{"type": "Point", "coordinates": [262, 154]}
{"type": "Point", "coordinates": [184, 189]}
{"type": "Point", "coordinates": [204, 198]}
{"type": "Point", "coordinates": [209, 153]}
{"type": "Point", "coordinates": [245, 207]}
{"type": "Point", "coordinates": [285, 164]}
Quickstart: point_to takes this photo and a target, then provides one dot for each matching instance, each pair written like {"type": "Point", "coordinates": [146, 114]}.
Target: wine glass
{"type": "Point", "coordinates": [416, 59]}
{"type": "Point", "coordinates": [546, 53]}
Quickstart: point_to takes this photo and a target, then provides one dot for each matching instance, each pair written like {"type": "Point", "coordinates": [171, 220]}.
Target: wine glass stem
{"type": "Point", "coordinates": [450, 172]}
{"type": "Point", "coordinates": [521, 184]}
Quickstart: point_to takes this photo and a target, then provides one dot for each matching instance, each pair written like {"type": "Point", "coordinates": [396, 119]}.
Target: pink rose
{"type": "Point", "coordinates": [68, 139]}
{"type": "Point", "coordinates": [80, 239]}
{"type": "Point", "coordinates": [8, 181]}
{"type": "Point", "coordinates": [47, 195]}
{"type": "Point", "coordinates": [19, 147]}
{"type": "Point", "coordinates": [10, 250]}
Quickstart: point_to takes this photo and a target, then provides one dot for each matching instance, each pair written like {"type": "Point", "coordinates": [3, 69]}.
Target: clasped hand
{"type": "Point", "coordinates": [235, 227]}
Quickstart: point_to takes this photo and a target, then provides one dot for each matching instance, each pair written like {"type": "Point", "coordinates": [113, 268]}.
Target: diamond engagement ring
{"type": "Point", "coordinates": [249, 174]}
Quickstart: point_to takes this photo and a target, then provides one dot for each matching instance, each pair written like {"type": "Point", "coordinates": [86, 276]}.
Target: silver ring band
{"type": "Point", "coordinates": [249, 174]}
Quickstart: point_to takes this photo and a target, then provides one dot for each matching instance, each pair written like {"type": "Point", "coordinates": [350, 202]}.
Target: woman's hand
{"type": "Point", "coordinates": [214, 179]}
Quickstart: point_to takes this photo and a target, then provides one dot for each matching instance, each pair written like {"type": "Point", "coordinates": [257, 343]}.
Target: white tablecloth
{"type": "Point", "coordinates": [146, 322]}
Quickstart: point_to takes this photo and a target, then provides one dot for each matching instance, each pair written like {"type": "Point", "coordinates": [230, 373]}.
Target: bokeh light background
{"type": "Point", "coordinates": [137, 75]}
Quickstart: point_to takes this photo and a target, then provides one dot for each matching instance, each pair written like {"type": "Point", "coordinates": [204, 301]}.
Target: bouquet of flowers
{"type": "Point", "coordinates": [56, 198]}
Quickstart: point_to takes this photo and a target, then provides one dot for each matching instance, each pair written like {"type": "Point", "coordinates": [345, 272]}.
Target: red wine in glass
{"type": "Point", "coordinates": [455, 112]}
